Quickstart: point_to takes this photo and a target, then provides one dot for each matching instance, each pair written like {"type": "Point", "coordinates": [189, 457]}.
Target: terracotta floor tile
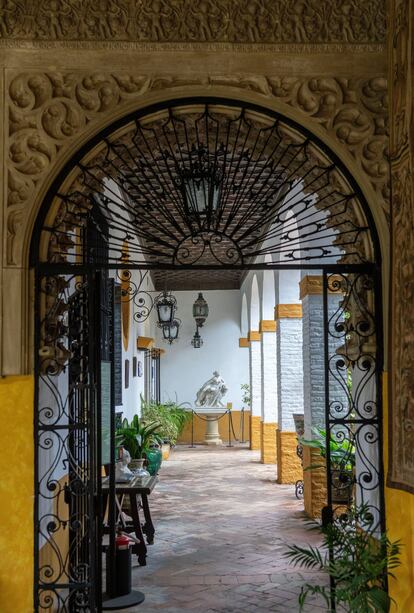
{"type": "Point", "coordinates": [222, 524]}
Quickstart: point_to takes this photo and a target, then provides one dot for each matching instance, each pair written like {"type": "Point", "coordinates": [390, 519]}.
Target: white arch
{"type": "Point", "coordinates": [254, 305]}
{"type": "Point", "coordinates": [268, 291]}
{"type": "Point", "coordinates": [244, 317]}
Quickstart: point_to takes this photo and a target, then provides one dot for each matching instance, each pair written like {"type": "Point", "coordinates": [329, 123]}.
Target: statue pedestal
{"type": "Point", "coordinates": [211, 435]}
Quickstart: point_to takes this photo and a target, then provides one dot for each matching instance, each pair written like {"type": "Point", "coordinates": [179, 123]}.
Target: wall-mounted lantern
{"type": "Point", "coordinates": [197, 341]}
{"type": "Point", "coordinates": [200, 310]}
{"type": "Point", "coordinates": [166, 305]}
{"type": "Point", "coordinates": [170, 331]}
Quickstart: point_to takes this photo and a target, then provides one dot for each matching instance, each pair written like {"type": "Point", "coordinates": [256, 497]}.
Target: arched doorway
{"type": "Point", "coordinates": [207, 186]}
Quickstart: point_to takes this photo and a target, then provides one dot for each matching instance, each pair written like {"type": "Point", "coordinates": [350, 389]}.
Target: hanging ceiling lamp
{"type": "Point", "coordinates": [201, 184]}
{"type": "Point", "coordinates": [197, 341]}
{"type": "Point", "coordinates": [170, 331]}
{"type": "Point", "coordinates": [200, 310]}
{"type": "Point", "coordinates": [166, 305]}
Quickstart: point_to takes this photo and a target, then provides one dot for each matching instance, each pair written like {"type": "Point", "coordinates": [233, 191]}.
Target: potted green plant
{"type": "Point", "coordinates": [342, 462]}
{"type": "Point", "coordinates": [140, 439]}
{"type": "Point", "coordinates": [172, 419]}
{"type": "Point", "coordinates": [358, 563]}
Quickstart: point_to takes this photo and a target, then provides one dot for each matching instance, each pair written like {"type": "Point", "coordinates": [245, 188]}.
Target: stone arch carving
{"type": "Point", "coordinates": [51, 115]}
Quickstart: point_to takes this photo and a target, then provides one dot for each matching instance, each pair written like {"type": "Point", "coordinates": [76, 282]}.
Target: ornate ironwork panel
{"type": "Point", "coordinates": [353, 350]}
{"type": "Point", "coordinates": [208, 183]}
{"type": "Point", "coordinates": [68, 567]}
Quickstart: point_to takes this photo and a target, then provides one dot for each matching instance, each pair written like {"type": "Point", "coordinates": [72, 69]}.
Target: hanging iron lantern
{"type": "Point", "coordinates": [200, 310]}
{"type": "Point", "coordinates": [166, 305]}
{"type": "Point", "coordinates": [197, 341]}
{"type": "Point", "coordinates": [201, 185]}
{"type": "Point", "coordinates": [170, 331]}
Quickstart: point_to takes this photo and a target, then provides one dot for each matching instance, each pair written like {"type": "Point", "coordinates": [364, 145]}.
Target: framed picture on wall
{"type": "Point", "coordinates": [139, 370]}
{"type": "Point", "coordinates": [126, 374]}
{"type": "Point", "coordinates": [134, 366]}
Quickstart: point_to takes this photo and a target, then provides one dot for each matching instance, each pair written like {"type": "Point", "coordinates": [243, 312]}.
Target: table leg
{"type": "Point", "coordinates": [148, 528]}
{"type": "Point", "coordinates": [141, 549]}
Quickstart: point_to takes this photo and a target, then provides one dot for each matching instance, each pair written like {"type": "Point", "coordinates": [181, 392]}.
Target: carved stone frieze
{"type": "Point", "coordinates": [48, 111]}
{"type": "Point", "coordinates": [233, 21]}
{"type": "Point", "coordinates": [401, 420]}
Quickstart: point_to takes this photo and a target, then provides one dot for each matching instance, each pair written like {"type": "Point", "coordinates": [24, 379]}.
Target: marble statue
{"type": "Point", "coordinates": [122, 472]}
{"type": "Point", "coordinates": [211, 393]}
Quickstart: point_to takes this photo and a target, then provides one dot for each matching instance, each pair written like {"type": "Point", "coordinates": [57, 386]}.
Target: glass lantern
{"type": "Point", "coordinates": [197, 341]}
{"type": "Point", "coordinates": [170, 331]}
{"type": "Point", "coordinates": [200, 310]}
{"type": "Point", "coordinates": [166, 305]}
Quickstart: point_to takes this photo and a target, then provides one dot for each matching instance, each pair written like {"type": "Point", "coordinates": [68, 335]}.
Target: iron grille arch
{"type": "Point", "coordinates": [58, 253]}
{"type": "Point", "coordinates": [232, 226]}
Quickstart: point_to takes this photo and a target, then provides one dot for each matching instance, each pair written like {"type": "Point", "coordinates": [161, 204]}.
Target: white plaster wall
{"type": "Point", "coordinates": [256, 377]}
{"type": "Point", "coordinates": [269, 377]}
{"type": "Point", "coordinates": [131, 402]}
{"type": "Point", "coordinates": [184, 369]}
{"type": "Point", "coordinates": [288, 286]}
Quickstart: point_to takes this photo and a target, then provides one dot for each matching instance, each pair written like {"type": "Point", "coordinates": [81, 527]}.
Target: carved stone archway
{"type": "Point", "coordinates": [53, 114]}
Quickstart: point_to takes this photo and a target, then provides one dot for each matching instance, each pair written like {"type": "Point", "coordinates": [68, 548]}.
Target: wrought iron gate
{"type": "Point", "coordinates": [353, 416]}
{"type": "Point", "coordinates": [67, 427]}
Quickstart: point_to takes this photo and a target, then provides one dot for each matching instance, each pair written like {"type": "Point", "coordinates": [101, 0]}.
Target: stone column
{"type": "Point", "coordinates": [290, 389]}
{"type": "Point", "coordinates": [254, 338]}
{"type": "Point", "coordinates": [313, 389]}
{"type": "Point", "coordinates": [311, 294]}
{"type": "Point", "coordinates": [269, 392]}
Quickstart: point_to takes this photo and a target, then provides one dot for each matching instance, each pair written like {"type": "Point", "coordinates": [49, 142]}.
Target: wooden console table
{"type": "Point", "coordinates": [139, 488]}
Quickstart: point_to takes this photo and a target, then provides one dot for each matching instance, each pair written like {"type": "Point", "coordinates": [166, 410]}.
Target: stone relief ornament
{"type": "Point", "coordinates": [401, 414]}
{"type": "Point", "coordinates": [211, 393]}
{"type": "Point", "coordinates": [49, 111]}
{"type": "Point", "coordinates": [246, 21]}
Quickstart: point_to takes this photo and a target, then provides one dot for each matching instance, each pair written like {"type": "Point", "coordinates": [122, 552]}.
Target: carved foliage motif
{"type": "Point", "coordinates": [401, 470]}
{"type": "Point", "coordinates": [48, 111]}
{"type": "Point", "coordinates": [247, 21]}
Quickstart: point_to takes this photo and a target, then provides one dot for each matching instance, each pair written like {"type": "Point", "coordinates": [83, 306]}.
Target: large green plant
{"type": "Point", "coordinates": [359, 565]}
{"type": "Point", "coordinates": [137, 437]}
{"type": "Point", "coordinates": [342, 450]}
{"type": "Point", "coordinates": [171, 417]}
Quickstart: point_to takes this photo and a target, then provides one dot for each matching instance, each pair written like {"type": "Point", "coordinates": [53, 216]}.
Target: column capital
{"type": "Point", "coordinates": [312, 285]}
{"type": "Point", "coordinates": [267, 325]}
{"type": "Point", "coordinates": [244, 342]}
{"type": "Point", "coordinates": [254, 335]}
{"type": "Point", "coordinates": [288, 311]}
{"type": "Point", "coordinates": [144, 342]}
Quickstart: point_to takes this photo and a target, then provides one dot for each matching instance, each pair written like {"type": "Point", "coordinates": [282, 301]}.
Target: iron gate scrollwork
{"type": "Point", "coordinates": [67, 568]}
{"type": "Point", "coordinates": [353, 418]}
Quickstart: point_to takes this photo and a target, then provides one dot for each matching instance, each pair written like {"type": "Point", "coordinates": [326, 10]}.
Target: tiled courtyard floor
{"type": "Point", "coordinates": [222, 524]}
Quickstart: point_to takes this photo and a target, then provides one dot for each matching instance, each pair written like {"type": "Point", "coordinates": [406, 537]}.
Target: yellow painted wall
{"type": "Point", "coordinates": [400, 525]}
{"type": "Point", "coordinates": [16, 494]}
{"type": "Point", "coordinates": [200, 428]}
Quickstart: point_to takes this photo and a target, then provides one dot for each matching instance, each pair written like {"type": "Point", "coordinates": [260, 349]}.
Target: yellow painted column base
{"type": "Point", "coordinates": [314, 494]}
{"type": "Point", "coordinates": [268, 443]}
{"type": "Point", "coordinates": [289, 468]}
{"type": "Point", "coordinates": [255, 432]}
